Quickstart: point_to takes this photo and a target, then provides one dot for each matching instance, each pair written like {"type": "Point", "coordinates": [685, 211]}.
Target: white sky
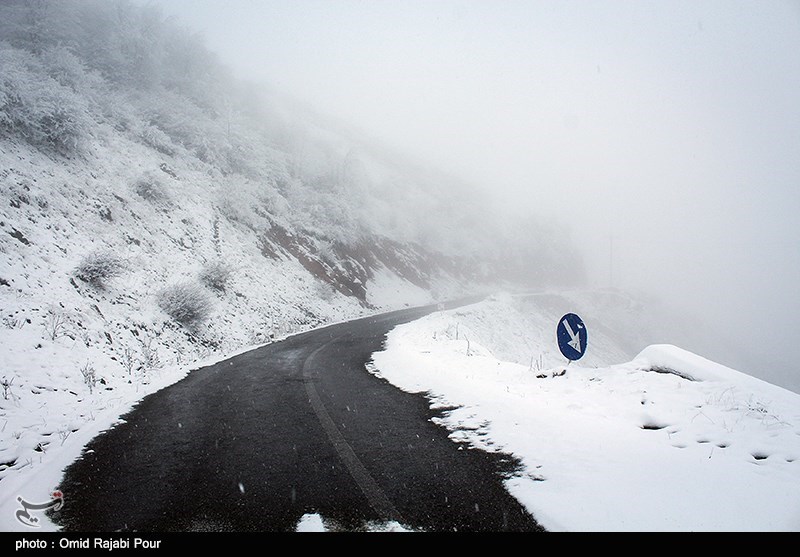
{"type": "Point", "coordinates": [673, 126]}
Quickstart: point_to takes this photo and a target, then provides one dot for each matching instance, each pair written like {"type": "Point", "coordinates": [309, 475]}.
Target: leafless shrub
{"type": "Point", "coordinates": [55, 324]}
{"type": "Point", "coordinates": [187, 303]}
{"type": "Point", "coordinates": [89, 376]}
{"type": "Point", "coordinates": [127, 360]}
{"type": "Point", "coordinates": [150, 359]}
{"type": "Point", "coordinates": [98, 267]}
{"type": "Point", "coordinates": [13, 322]}
{"type": "Point", "coordinates": [152, 188]}
{"type": "Point", "coordinates": [63, 434]}
{"type": "Point", "coordinates": [146, 360]}
{"type": "Point", "coordinates": [215, 275]}
{"type": "Point", "coordinates": [86, 337]}
{"type": "Point", "coordinates": [6, 384]}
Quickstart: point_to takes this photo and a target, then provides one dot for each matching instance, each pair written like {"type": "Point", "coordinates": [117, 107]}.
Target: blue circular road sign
{"type": "Point", "coordinates": [572, 336]}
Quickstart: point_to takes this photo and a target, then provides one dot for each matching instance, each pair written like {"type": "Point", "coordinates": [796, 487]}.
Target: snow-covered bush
{"type": "Point", "coordinates": [237, 204]}
{"type": "Point", "coordinates": [157, 139]}
{"type": "Point", "coordinates": [37, 108]}
{"type": "Point", "coordinates": [69, 71]}
{"type": "Point", "coordinates": [152, 189]}
{"type": "Point", "coordinates": [187, 303]}
{"type": "Point", "coordinates": [184, 123]}
{"type": "Point", "coordinates": [98, 267]}
{"type": "Point", "coordinates": [215, 275]}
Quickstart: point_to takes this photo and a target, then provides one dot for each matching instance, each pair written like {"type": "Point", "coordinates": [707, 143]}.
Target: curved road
{"type": "Point", "coordinates": [298, 426]}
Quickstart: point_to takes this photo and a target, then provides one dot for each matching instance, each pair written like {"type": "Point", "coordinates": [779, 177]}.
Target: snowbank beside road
{"type": "Point", "coordinates": [617, 447]}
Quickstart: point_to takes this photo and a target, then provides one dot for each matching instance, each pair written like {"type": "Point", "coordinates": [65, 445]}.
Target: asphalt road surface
{"type": "Point", "coordinates": [298, 426]}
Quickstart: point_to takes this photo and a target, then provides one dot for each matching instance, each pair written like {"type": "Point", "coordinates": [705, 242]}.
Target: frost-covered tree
{"type": "Point", "coordinates": [28, 24]}
{"type": "Point", "coordinates": [36, 107]}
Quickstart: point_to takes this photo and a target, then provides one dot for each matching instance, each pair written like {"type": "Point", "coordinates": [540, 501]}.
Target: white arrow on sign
{"type": "Point", "coordinates": [576, 339]}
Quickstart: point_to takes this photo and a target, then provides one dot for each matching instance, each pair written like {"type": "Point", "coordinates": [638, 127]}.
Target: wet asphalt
{"type": "Point", "coordinates": [292, 428]}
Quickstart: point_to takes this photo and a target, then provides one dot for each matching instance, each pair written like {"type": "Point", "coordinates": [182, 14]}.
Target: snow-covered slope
{"type": "Point", "coordinates": [666, 440]}
{"type": "Point", "coordinates": [54, 323]}
{"type": "Point", "coordinates": [154, 214]}
{"type": "Point", "coordinates": [74, 344]}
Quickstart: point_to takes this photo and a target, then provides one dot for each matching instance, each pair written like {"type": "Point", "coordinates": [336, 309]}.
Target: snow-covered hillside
{"type": "Point", "coordinates": [151, 218]}
{"type": "Point", "coordinates": [663, 441]}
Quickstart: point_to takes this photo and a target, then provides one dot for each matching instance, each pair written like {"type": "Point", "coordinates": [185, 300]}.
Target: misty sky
{"type": "Point", "coordinates": [673, 127]}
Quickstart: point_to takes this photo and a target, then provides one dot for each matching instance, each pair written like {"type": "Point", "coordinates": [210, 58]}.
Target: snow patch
{"type": "Point", "coordinates": [314, 522]}
{"type": "Point", "coordinates": [311, 523]}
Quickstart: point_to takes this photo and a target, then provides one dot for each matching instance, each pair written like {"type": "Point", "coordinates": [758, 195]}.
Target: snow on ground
{"type": "Point", "coordinates": [63, 419]}
{"type": "Point", "coordinates": [614, 444]}
{"type": "Point", "coordinates": [388, 290]}
{"type": "Point", "coordinates": [313, 522]}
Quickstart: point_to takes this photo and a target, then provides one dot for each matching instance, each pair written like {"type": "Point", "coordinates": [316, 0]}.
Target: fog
{"type": "Point", "coordinates": [664, 137]}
